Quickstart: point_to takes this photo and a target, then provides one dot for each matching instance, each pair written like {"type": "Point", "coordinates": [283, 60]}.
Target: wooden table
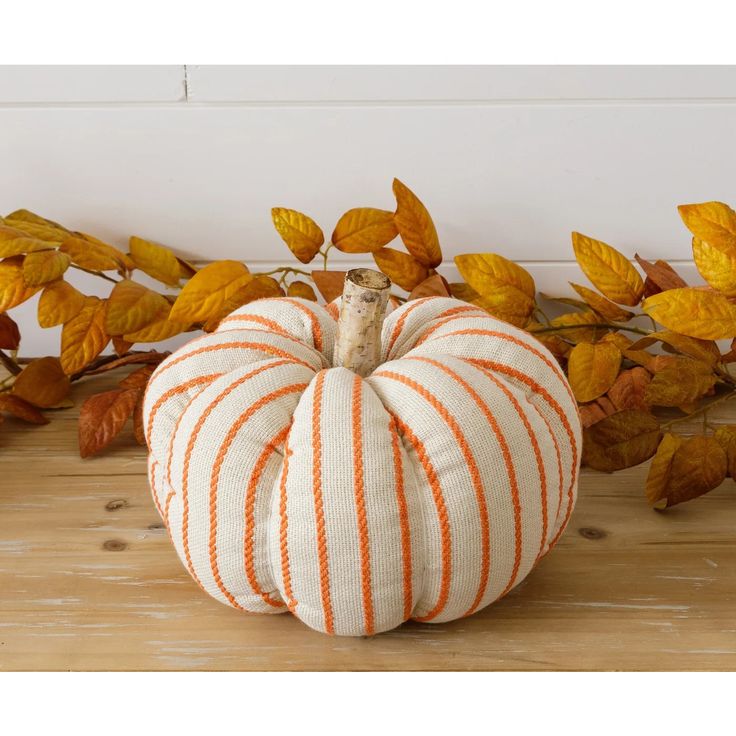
{"type": "Point", "coordinates": [90, 581]}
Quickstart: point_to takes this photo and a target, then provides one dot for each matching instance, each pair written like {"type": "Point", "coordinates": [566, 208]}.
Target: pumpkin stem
{"type": "Point", "coordinates": [364, 298]}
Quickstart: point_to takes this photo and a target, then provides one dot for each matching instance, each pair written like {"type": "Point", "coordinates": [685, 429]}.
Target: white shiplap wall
{"type": "Point", "coordinates": [509, 159]}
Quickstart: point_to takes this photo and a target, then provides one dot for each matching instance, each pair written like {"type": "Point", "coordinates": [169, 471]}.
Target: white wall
{"type": "Point", "coordinates": [509, 159]}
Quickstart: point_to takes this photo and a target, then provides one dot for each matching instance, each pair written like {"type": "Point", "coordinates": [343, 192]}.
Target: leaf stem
{"type": "Point", "coordinates": [604, 325]}
{"type": "Point", "coordinates": [96, 273]}
{"type": "Point", "coordinates": [703, 410]}
{"type": "Point", "coordinates": [9, 363]}
{"type": "Point", "coordinates": [324, 253]}
{"type": "Point", "coordinates": [285, 270]}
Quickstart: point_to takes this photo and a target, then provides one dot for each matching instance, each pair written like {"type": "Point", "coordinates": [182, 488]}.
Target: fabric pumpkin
{"type": "Point", "coordinates": [427, 490]}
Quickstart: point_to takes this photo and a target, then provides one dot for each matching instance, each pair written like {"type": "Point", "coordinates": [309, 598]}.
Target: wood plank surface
{"type": "Point", "coordinates": [89, 581]}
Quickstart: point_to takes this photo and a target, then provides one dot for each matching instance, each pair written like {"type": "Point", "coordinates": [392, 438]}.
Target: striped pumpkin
{"type": "Point", "coordinates": [427, 490]}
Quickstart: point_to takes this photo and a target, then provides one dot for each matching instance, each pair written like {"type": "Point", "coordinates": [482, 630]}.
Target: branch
{"type": "Point", "coordinates": [9, 363]}
{"type": "Point", "coordinates": [604, 325]}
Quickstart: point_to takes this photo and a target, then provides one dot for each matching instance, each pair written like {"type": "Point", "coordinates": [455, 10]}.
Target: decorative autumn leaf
{"type": "Point", "coordinates": [726, 438]}
{"type": "Point", "coordinates": [44, 266]}
{"type": "Point", "coordinates": [463, 291]}
{"type": "Point", "coordinates": [139, 427]}
{"type": "Point", "coordinates": [120, 345]}
{"type": "Point", "coordinates": [364, 230]}
{"type": "Point", "coordinates": [572, 331]}
{"type": "Point", "coordinates": [37, 226]}
{"type": "Point", "coordinates": [259, 287]}
{"type": "Point", "coordinates": [14, 242]}
{"type": "Point", "coordinates": [705, 350]}
{"type": "Point", "coordinates": [717, 265]}
{"type": "Point", "coordinates": [13, 288]}
{"type": "Point", "coordinates": [567, 300]}
{"type": "Point", "coordinates": [592, 413]}
{"type": "Point", "coordinates": [132, 306]}
{"type": "Point", "coordinates": [301, 290]}
{"type": "Point", "coordinates": [92, 256]}
{"type": "Point", "coordinates": [629, 389]}
{"type": "Point", "coordinates": [434, 285]}
{"type": "Point", "coordinates": [714, 222]}
{"type": "Point", "coordinates": [660, 276]}
{"type": "Point", "coordinates": [624, 344]}
{"type": "Point", "coordinates": [329, 283]}
{"type": "Point", "coordinates": [59, 303]}
{"type": "Point", "coordinates": [659, 471]}
{"type": "Point", "coordinates": [139, 377]}
{"type": "Point", "coordinates": [207, 291]}
{"type": "Point", "coordinates": [707, 315]}
{"type": "Point", "coordinates": [699, 465]}
{"type": "Point", "coordinates": [84, 337]}
{"type": "Point", "coordinates": [678, 381]}
{"type": "Point", "coordinates": [20, 409]}
{"type": "Point", "coordinates": [554, 343]}
{"type": "Point", "coordinates": [9, 333]}
{"type": "Point", "coordinates": [42, 383]}
{"type": "Point", "coordinates": [621, 440]}
{"type": "Point", "coordinates": [415, 226]}
{"type": "Point", "coordinates": [602, 306]}
{"type": "Point", "coordinates": [156, 260]}
{"type": "Point", "coordinates": [609, 271]}
{"type": "Point", "coordinates": [160, 329]}
{"type": "Point", "coordinates": [102, 416]}
{"type": "Point", "coordinates": [300, 232]}
{"type": "Point", "coordinates": [186, 269]}
{"type": "Point", "coordinates": [592, 369]}
{"type": "Point", "coordinates": [402, 268]}
{"type": "Point", "coordinates": [149, 357]}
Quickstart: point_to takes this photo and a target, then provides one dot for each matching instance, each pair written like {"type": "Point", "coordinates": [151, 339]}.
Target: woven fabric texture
{"type": "Point", "coordinates": [427, 490]}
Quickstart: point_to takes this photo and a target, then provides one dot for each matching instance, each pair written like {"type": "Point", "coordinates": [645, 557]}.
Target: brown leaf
{"type": "Point", "coordinates": [434, 285]}
{"type": "Point", "coordinates": [699, 465]}
{"type": "Point", "coordinates": [42, 383]}
{"type": "Point", "coordinates": [300, 232]}
{"type": "Point", "coordinates": [694, 312]}
{"type": "Point", "coordinates": [726, 438]}
{"type": "Point", "coordinates": [20, 409]}
{"type": "Point", "coordinates": [59, 303]}
{"type": "Point", "coordinates": [139, 377]}
{"type": "Point", "coordinates": [102, 416]}
{"type": "Point", "coordinates": [658, 477]}
{"type": "Point", "coordinates": [84, 337]}
{"type": "Point", "coordinates": [301, 290]}
{"type": "Point", "coordinates": [13, 288]}
{"type": "Point", "coordinates": [139, 429]}
{"type": "Point", "coordinates": [621, 440]}
{"type": "Point", "coordinates": [157, 261]}
{"type": "Point", "coordinates": [329, 283]}
{"type": "Point", "coordinates": [660, 275]}
{"type": "Point", "coordinates": [132, 306]}
{"type": "Point", "coordinates": [629, 389]}
{"type": "Point", "coordinates": [678, 380]}
{"type": "Point", "coordinates": [592, 369]}
{"type": "Point", "coordinates": [415, 227]}
{"type": "Point", "coordinates": [121, 345]}
{"type": "Point", "coordinates": [9, 333]}
{"type": "Point", "coordinates": [607, 309]}
{"type": "Point", "coordinates": [150, 357]}
{"type": "Point", "coordinates": [364, 230]}
{"type": "Point", "coordinates": [403, 269]}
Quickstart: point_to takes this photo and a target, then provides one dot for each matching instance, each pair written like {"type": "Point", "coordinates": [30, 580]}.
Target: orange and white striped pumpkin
{"type": "Point", "coordinates": [427, 490]}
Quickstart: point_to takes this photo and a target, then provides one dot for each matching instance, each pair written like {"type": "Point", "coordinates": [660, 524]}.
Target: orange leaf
{"type": "Point", "coordinates": [678, 381]}
{"type": "Point", "coordinates": [13, 288]}
{"type": "Point", "coordinates": [150, 357]}
{"type": "Point", "coordinates": [157, 261]}
{"type": "Point", "coordinates": [59, 303]}
{"type": "Point", "coordinates": [593, 369]}
{"type": "Point", "coordinates": [608, 270]}
{"type": "Point", "coordinates": [206, 292]}
{"type": "Point", "coordinates": [658, 477]}
{"type": "Point", "coordinates": [592, 413]}
{"type": "Point", "coordinates": [121, 346]}
{"type": "Point", "coordinates": [132, 306]}
{"type": "Point", "coordinates": [84, 337]}
{"type": "Point", "coordinates": [699, 465]}
{"type": "Point", "coordinates": [44, 266]}
{"type": "Point", "coordinates": [9, 333]}
{"type": "Point", "coordinates": [628, 390]}
{"type": "Point", "coordinates": [138, 378]}
{"type": "Point", "coordinates": [364, 230]}
{"type": "Point", "coordinates": [300, 232]}
{"type": "Point", "coordinates": [415, 227]}
{"type": "Point", "coordinates": [693, 312]}
{"type": "Point", "coordinates": [434, 285]}
{"type": "Point", "coordinates": [713, 222]}
{"type": "Point", "coordinates": [621, 440]}
{"type": "Point", "coordinates": [42, 383]}
{"type": "Point", "coordinates": [660, 275]}
{"type": "Point", "coordinates": [301, 290]}
{"type": "Point", "coordinates": [329, 283]}
{"type": "Point", "coordinates": [606, 308]}
{"type": "Point", "coordinates": [139, 429]}
{"type": "Point", "coordinates": [21, 409]}
{"type": "Point", "coordinates": [102, 416]}
{"type": "Point", "coordinates": [403, 269]}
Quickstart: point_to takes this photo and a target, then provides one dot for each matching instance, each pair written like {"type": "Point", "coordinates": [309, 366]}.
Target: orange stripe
{"type": "Point", "coordinates": [399, 326]}
{"type": "Point", "coordinates": [324, 571]}
{"type": "Point", "coordinates": [284, 533]}
{"type": "Point", "coordinates": [250, 525]}
{"type": "Point", "coordinates": [179, 389]}
{"type": "Point", "coordinates": [270, 323]}
{"type": "Point", "coordinates": [439, 502]}
{"type": "Point", "coordinates": [190, 447]}
{"type": "Point", "coordinates": [332, 310]}
{"type": "Point", "coordinates": [442, 322]}
{"type": "Point", "coordinates": [475, 475]}
{"type": "Point", "coordinates": [217, 467]}
{"type": "Point", "coordinates": [154, 492]}
{"type": "Point", "coordinates": [316, 327]}
{"type": "Point", "coordinates": [170, 449]}
{"type": "Point", "coordinates": [358, 482]}
{"type": "Point", "coordinates": [166, 507]}
{"type": "Point", "coordinates": [403, 518]}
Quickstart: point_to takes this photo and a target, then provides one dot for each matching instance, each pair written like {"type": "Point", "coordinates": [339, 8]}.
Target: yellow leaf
{"type": "Point", "coordinates": [161, 328]}
{"type": "Point", "coordinates": [132, 306]}
{"type": "Point", "coordinates": [463, 291]}
{"type": "Point", "coordinates": [713, 222]}
{"type": "Point", "coordinates": [660, 469]}
{"type": "Point", "coordinates": [14, 242]}
{"type": "Point", "coordinates": [699, 465]}
{"type": "Point", "coordinates": [37, 226]}
{"type": "Point", "coordinates": [13, 288]}
{"type": "Point", "coordinates": [95, 256]}
{"type": "Point", "coordinates": [717, 265]}
{"type": "Point", "coordinates": [206, 292]}
{"type": "Point", "coordinates": [415, 227]}
{"type": "Point", "coordinates": [488, 272]}
{"type": "Point", "coordinates": [593, 369]}
{"type": "Point", "coordinates": [705, 350]}
{"type": "Point", "coordinates": [707, 315]}
{"type": "Point", "coordinates": [300, 232]}
{"type": "Point", "coordinates": [84, 337]}
{"type": "Point", "coordinates": [679, 380]}
{"type": "Point", "coordinates": [301, 290]}
{"type": "Point", "coordinates": [621, 440]}
{"type": "Point", "coordinates": [364, 230]}
{"type": "Point", "coordinates": [186, 269]}
{"type": "Point", "coordinates": [572, 330]}
{"type": "Point", "coordinates": [59, 302]}
{"type": "Point", "coordinates": [608, 270]}
{"type": "Point", "coordinates": [155, 260]}
{"type": "Point", "coordinates": [42, 383]}
{"type": "Point", "coordinates": [607, 309]}
{"type": "Point", "coordinates": [403, 269]}
{"type": "Point", "coordinates": [44, 266]}
{"type": "Point", "coordinates": [642, 357]}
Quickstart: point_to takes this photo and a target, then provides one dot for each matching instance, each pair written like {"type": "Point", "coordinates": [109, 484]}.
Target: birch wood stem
{"type": "Point", "coordinates": [364, 300]}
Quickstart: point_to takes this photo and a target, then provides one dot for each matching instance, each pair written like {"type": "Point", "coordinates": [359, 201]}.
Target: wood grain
{"type": "Point", "coordinates": [90, 581]}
